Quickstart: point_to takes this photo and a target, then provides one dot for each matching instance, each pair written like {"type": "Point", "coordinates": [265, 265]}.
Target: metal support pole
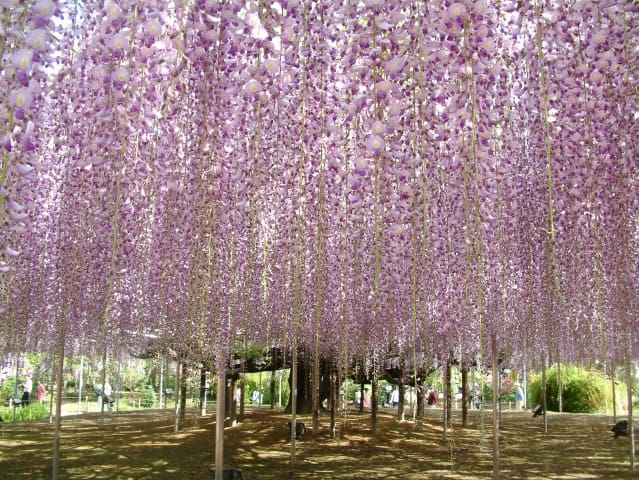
{"type": "Point", "coordinates": [219, 425]}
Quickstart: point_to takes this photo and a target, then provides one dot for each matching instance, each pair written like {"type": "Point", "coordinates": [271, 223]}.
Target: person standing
{"type": "Point", "coordinates": [27, 386]}
{"type": "Point", "coordinates": [367, 399]}
{"type": "Point", "coordinates": [519, 397]}
{"type": "Point", "coordinates": [107, 391]}
{"type": "Point", "coordinates": [432, 398]}
{"type": "Point", "coordinates": [394, 399]}
{"type": "Point", "coordinates": [41, 393]}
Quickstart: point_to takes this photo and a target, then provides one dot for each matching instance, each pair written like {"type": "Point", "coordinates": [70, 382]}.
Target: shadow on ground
{"type": "Point", "coordinates": [141, 445]}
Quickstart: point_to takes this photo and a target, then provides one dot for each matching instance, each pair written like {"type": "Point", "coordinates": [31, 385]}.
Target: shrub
{"type": "Point", "coordinates": [583, 390]}
{"type": "Point", "coordinates": [33, 411]}
{"type": "Point", "coordinates": [148, 398]}
{"type": "Point", "coordinates": [8, 390]}
{"type": "Point", "coordinates": [506, 388]}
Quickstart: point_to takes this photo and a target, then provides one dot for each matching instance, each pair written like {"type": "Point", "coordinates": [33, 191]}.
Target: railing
{"type": "Point", "coordinates": [74, 404]}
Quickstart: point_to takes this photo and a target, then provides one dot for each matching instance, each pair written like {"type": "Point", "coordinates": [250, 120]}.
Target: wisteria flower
{"type": "Point", "coordinates": [405, 191]}
{"type": "Point", "coordinates": [5, 141]}
{"type": "Point", "coordinates": [374, 3]}
{"type": "Point", "coordinates": [255, 24]}
{"type": "Point", "coordinates": [10, 252]}
{"type": "Point", "coordinates": [605, 60]}
{"type": "Point", "coordinates": [457, 11]}
{"type": "Point", "coordinates": [285, 79]}
{"type": "Point", "coordinates": [113, 11]}
{"type": "Point", "coordinates": [395, 108]}
{"type": "Point", "coordinates": [271, 65]}
{"type": "Point", "coordinates": [119, 42]}
{"type": "Point", "coordinates": [24, 169]}
{"type": "Point", "coordinates": [596, 77]}
{"type": "Point", "coordinates": [153, 28]}
{"type": "Point", "coordinates": [120, 75]}
{"type": "Point", "coordinates": [38, 39]}
{"type": "Point", "coordinates": [21, 98]}
{"type": "Point", "coordinates": [44, 9]}
{"type": "Point", "coordinates": [397, 230]}
{"type": "Point", "coordinates": [375, 144]}
{"type": "Point", "coordinates": [22, 59]}
{"type": "Point", "coordinates": [361, 166]}
{"type": "Point", "coordinates": [100, 72]}
{"type": "Point", "coordinates": [395, 65]}
{"type": "Point", "coordinates": [378, 128]}
{"type": "Point", "coordinates": [383, 88]}
{"type": "Point", "coordinates": [252, 87]}
{"type": "Point", "coordinates": [354, 182]}
{"type": "Point", "coordinates": [599, 39]}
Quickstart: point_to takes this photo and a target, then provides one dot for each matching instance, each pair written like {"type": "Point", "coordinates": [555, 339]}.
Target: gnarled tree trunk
{"type": "Point", "coordinates": [304, 403]}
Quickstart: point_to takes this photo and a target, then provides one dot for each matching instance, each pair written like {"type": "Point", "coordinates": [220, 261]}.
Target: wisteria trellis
{"type": "Point", "coordinates": [360, 175]}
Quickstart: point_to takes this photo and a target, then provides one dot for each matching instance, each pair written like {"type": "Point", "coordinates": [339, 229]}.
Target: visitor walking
{"type": "Point", "coordinates": [256, 397]}
{"type": "Point", "coordinates": [27, 386]}
{"type": "Point", "coordinates": [432, 398]}
{"type": "Point", "coordinates": [367, 399]}
{"type": "Point", "coordinates": [519, 397]}
{"type": "Point", "coordinates": [107, 393]}
{"type": "Point", "coordinates": [477, 397]}
{"type": "Point", "coordinates": [41, 393]}
{"type": "Point", "coordinates": [394, 399]}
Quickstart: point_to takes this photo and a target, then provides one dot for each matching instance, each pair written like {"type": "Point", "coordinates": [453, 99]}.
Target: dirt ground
{"type": "Point", "coordinates": [142, 445]}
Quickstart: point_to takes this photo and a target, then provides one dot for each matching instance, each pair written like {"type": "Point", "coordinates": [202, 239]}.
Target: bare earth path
{"type": "Point", "coordinates": [142, 445]}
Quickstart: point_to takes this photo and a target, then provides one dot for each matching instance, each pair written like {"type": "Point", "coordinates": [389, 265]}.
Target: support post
{"type": "Point", "coordinates": [464, 381]}
{"type": "Point", "coordinates": [544, 396]}
{"type": "Point", "coordinates": [219, 424]}
{"type": "Point", "coordinates": [161, 392]}
{"type": "Point", "coordinates": [495, 368]}
{"type": "Point", "coordinates": [614, 395]}
{"type": "Point", "coordinates": [631, 429]}
{"type": "Point", "coordinates": [80, 381]}
{"type": "Point", "coordinates": [293, 401]}
{"type": "Point", "coordinates": [59, 383]}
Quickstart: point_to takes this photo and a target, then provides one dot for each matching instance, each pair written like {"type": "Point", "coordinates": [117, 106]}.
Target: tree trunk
{"type": "Point", "coordinates": [614, 395]}
{"type": "Point", "coordinates": [59, 387]}
{"type": "Point", "coordinates": [464, 400]}
{"type": "Point", "coordinates": [400, 397]}
{"type": "Point", "coordinates": [219, 425]}
{"type": "Point", "coordinates": [202, 391]}
{"type": "Point", "coordinates": [374, 399]}
{"type": "Point", "coordinates": [420, 401]}
{"type": "Point", "coordinates": [242, 396]}
{"type": "Point", "coordinates": [447, 394]}
{"type": "Point", "coordinates": [272, 390]}
{"type": "Point", "coordinates": [185, 371]}
{"type": "Point", "coordinates": [495, 368]}
{"type": "Point", "coordinates": [304, 403]}
{"type": "Point", "coordinates": [544, 396]}
{"type": "Point", "coordinates": [230, 398]}
{"type": "Point", "coordinates": [333, 399]}
{"type": "Point", "coordinates": [559, 386]}
{"type": "Point", "coordinates": [176, 425]}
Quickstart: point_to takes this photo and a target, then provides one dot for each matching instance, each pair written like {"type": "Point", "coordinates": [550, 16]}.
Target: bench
{"type": "Point", "coordinates": [620, 428]}
{"type": "Point", "coordinates": [538, 410]}
{"type": "Point", "coordinates": [300, 429]}
{"type": "Point", "coordinates": [229, 474]}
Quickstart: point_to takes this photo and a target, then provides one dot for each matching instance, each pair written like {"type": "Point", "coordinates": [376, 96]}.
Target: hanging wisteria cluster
{"type": "Point", "coordinates": [359, 176]}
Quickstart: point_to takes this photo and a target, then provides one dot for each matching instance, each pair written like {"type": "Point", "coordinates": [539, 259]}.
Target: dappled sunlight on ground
{"type": "Point", "coordinates": [142, 445]}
